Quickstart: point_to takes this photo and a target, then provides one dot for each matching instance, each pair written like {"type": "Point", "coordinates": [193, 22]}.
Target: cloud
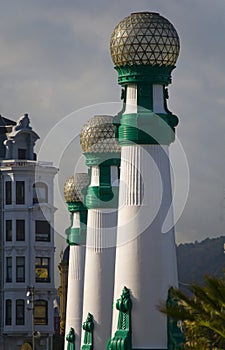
{"type": "Point", "coordinates": [55, 59]}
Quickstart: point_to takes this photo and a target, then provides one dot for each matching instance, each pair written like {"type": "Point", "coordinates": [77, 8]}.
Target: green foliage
{"type": "Point", "coordinates": [202, 314]}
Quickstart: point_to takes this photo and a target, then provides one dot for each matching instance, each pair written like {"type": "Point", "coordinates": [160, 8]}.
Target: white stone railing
{"type": "Point", "coordinates": [23, 163]}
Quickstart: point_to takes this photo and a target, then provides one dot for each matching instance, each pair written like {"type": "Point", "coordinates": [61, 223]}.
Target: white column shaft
{"type": "Point", "coordinates": [99, 272]}
{"type": "Point", "coordinates": [114, 175]}
{"type": "Point", "coordinates": [145, 257]}
{"type": "Point", "coordinates": [131, 99]}
{"type": "Point", "coordinates": [158, 99]}
{"type": "Point", "coordinates": [76, 220]}
{"type": "Point", "coordinates": [95, 173]}
{"type": "Point", "coordinates": [75, 292]}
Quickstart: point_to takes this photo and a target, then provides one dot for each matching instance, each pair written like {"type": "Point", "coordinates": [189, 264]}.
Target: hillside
{"type": "Point", "coordinates": [195, 260]}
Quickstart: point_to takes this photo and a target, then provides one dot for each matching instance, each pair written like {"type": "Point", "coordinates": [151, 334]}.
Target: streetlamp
{"type": "Point", "coordinates": [30, 301]}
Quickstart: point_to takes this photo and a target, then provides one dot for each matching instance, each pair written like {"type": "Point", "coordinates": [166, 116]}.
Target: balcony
{"type": "Point", "coordinates": [23, 163]}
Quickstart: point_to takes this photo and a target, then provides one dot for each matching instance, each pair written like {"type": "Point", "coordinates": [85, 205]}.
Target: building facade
{"type": "Point", "coordinates": [62, 290]}
{"type": "Point", "coordinates": [27, 240]}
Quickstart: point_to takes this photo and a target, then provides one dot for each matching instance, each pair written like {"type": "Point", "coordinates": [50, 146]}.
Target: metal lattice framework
{"type": "Point", "coordinates": [144, 38]}
{"type": "Point", "coordinates": [98, 135]}
{"type": "Point", "coordinates": [73, 188]}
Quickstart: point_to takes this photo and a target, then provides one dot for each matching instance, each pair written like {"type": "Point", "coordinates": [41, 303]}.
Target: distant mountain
{"type": "Point", "coordinates": [196, 260]}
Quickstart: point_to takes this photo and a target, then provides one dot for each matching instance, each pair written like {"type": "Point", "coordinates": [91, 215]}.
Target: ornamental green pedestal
{"type": "Point", "coordinates": [122, 338]}
{"type": "Point", "coordinates": [70, 338]}
{"type": "Point", "coordinates": [88, 327]}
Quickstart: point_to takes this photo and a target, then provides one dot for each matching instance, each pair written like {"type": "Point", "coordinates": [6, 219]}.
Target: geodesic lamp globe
{"type": "Point", "coordinates": [73, 188]}
{"type": "Point", "coordinates": [144, 38]}
{"type": "Point", "coordinates": [98, 135]}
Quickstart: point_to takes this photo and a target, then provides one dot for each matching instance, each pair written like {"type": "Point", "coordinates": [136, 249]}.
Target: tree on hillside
{"type": "Point", "coordinates": [202, 314]}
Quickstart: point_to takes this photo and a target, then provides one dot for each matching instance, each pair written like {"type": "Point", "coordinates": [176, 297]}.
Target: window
{"type": "Point", "coordinates": [9, 269]}
{"type": "Point", "coordinates": [20, 269]}
{"type": "Point", "coordinates": [42, 231]}
{"type": "Point", "coordinates": [20, 311]}
{"type": "Point", "coordinates": [40, 193]}
{"type": "Point", "coordinates": [41, 312]}
{"type": "Point", "coordinates": [22, 152]}
{"type": "Point", "coordinates": [20, 230]}
{"type": "Point", "coordinates": [8, 312]}
{"type": "Point", "coordinates": [20, 192]}
{"type": "Point", "coordinates": [8, 192]}
{"type": "Point", "coordinates": [42, 269]}
{"type": "Point", "coordinates": [8, 230]}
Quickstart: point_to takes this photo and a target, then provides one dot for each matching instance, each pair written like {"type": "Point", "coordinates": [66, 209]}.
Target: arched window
{"type": "Point", "coordinates": [40, 193]}
{"type": "Point", "coordinates": [41, 312]}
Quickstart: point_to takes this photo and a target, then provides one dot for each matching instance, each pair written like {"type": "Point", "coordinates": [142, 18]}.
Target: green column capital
{"type": "Point", "coordinates": [144, 74]}
{"type": "Point", "coordinates": [77, 235]}
{"type": "Point", "coordinates": [103, 195]}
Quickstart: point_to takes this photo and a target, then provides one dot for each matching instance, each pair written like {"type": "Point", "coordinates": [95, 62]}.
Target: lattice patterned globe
{"type": "Point", "coordinates": [144, 38]}
{"type": "Point", "coordinates": [98, 135]}
{"type": "Point", "coordinates": [73, 188]}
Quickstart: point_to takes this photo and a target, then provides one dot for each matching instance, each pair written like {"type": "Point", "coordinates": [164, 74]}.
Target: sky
{"type": "Point", "coordinates": [55, 64]}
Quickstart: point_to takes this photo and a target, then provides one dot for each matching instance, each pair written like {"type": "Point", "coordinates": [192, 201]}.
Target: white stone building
{"type": "Point", "coordinates": [27, 238]}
